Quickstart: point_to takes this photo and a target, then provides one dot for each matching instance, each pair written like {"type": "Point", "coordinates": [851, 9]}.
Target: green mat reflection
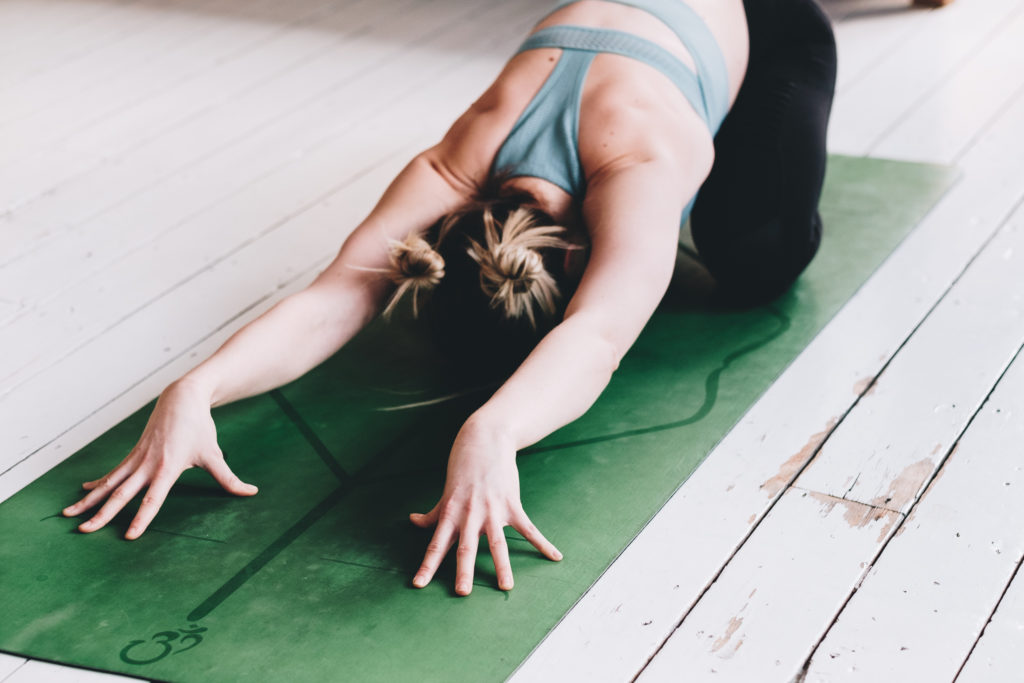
{"type": "Point", "coordinates": [310, 580]}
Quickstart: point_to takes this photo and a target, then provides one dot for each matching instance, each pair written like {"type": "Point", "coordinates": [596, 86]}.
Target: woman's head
{"type": "Point", "coordinates": [495, 275]}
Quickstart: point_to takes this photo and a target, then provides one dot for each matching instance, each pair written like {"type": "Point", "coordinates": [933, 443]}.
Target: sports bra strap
{"type": "Point", "coordinates": [700, 43]}
{"type": "Point", "coordinates": [628, 45]}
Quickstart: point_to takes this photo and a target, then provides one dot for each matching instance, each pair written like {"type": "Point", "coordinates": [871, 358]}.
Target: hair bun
{"type": "Point", "coordinates": [415, 259]}
{"type": "Point", "coordinates": [512, 272]}
{"type": "Point", "coordinates": [414, 265]}
{"type": "Point", "coordinates": [517, 267]}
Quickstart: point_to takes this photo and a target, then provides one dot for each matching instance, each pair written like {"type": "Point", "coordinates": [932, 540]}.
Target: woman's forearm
{"type": "Point", "coordinates": [304, 329]}
{"type": "Point", "coordinates": [298, 333]}
{"type": "Point", "coordinates": [556, 384]}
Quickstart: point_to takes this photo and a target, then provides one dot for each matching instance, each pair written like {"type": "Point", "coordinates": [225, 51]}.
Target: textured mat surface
{"type": "Point", "coordinates": [310, 580]}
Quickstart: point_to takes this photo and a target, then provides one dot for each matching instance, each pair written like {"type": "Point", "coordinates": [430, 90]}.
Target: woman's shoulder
{"type": "Point", "coordinates": [629, 117]}
{"type": "Point", "coordinates": [473, 141]}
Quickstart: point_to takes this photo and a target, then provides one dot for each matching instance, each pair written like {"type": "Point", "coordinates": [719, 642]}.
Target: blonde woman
{"type": "Point", "coordinates": [543, 230]}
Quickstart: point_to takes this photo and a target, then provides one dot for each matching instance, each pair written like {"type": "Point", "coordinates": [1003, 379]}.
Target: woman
{"type": "Point", "coordinates": [546, 223]}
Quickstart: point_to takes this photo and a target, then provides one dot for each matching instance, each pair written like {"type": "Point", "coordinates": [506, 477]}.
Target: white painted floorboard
{"type": "Point", "coordinates": [942, 125]}
{"type": "Point", "coordinates": [921, 608]}
{"type": "Point", "coordinates": [998, 655]}
{"type": "Point", "coordinates": [9, 664]}
{"type": "Point", "coordinates": [872, 466]}
{"type": "Point", "coordinates": [206, 233]}
{"type": "Point", "coordinates": [778, 559]}
{"type": "Point", "coordinates": [45, 672]}
{"type": "Point", "coordinates": [793, 574]}
{"type": "Point", "coordinates": [155, 151]}
{"type": "Point", "coordinates": [935, 50]}
{"type": "Point", "coordinates": [889, 447]}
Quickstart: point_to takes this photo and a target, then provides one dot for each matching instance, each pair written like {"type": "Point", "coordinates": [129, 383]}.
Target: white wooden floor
{"type": "Point", "coordinates": [170, 168]}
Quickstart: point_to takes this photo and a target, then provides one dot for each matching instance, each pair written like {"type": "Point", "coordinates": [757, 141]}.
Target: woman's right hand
{"type": "Point", "coordinates": [180, 434]}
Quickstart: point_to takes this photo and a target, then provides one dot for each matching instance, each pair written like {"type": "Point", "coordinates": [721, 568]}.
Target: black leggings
{"type": "Point", "coordinates": [755, 222]}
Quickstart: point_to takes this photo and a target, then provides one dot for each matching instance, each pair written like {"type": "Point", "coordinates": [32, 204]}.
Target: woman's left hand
{"type": "Point", "coordinates": [481, 496]}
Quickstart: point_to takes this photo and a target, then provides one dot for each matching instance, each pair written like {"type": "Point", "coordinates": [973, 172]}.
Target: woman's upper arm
{"type": "Point", "coordinates": [633, 219]}
{"type": "Point", "coordinates": [415, 200]}
{"type": "Point", "coordinates": [435, 183]}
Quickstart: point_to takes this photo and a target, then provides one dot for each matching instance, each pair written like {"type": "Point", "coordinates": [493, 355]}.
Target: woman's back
{"type": "Point", "coordinates": [628, 109]}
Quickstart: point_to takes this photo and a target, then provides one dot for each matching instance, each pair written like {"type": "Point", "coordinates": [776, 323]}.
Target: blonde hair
{"type": "Point", "coordinates": [414, 266]}
{"type": "Point", "coordinates": [512, 271]}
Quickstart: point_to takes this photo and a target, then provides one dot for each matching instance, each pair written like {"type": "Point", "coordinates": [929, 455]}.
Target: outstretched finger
{"type": "Point", "coordinates": [465, 557]}
{"type": "Point", "coordinates": [436, 550]}
{"type": "Point", "coordinates": [101, 488]}
{"type": "Point", "coordinates": [531, 533]}
{"type": "Point", "coordinates": [120, 473]}
{"type": "Point", "coordinates": [228, 479]}
{"type": "Point", "coordinates": [499, 553]}
{"type": "Point", "coordinates": [119, 497]}
{"type": "Point", "coordinates": [151, 502]}
{"type": "Point", "coordinates": [425, 521]}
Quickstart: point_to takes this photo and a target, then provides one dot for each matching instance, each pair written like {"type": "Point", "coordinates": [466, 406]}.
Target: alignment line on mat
{"type": "Point", "coordinates": [297, 529]}
{"type": "Point", "coordinates": [307, 432]}
{"type": "Point", "coordinates": [269, 553]}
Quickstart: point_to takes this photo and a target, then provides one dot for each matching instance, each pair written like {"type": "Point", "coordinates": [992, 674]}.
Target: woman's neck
{"type": "Point", "coordinates": [557, 203]}
{"type": "Point", "coordinates": [549, 198]}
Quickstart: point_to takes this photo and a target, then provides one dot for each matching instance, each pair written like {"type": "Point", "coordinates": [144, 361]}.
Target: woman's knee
{"type": "Point", "coordinates": [757, 265]}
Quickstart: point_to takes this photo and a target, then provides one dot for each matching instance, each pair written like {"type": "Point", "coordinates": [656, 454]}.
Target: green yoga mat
{"type": "Point", "coordinates": [310, 580]}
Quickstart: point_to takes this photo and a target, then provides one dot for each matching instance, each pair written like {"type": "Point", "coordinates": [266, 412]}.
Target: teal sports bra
{"type": "Point", "coordinates": [543, 141]}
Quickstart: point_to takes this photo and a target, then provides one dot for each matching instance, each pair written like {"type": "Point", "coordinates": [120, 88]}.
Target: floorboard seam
{"type": "Point", "coordinates": [131, 386]}
{"type": "Point", "coordinates": [817, 450]}
{"type": "Point", "coordinates": [885, 54]}
{"type": "Point", "coordinates": [16, 670]}
{"type": "Point", "coordinates": [995, 608]}
{"type": "Point", "coordinates": [954, 69]}
{"type": "Point", "coordinates": [917, 500]}
{"type": "Point", "coordinates": [456, 21]}
{"type": "Point", "coordinates": [988, 124]}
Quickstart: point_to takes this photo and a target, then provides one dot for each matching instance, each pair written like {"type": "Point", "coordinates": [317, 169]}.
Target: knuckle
{"type": "Point", "coordinates": [149, 499]}
{"type": "Point", "coordinates": [120, 496]}
{"type": "Point", "coordinates": [434, 547]}
{"type": "Point", "coordinates": [451, 508]}
{"type": "Point", "coordinates": [164, 458]}
{"type": "Point", "coordinates": [163, 470]}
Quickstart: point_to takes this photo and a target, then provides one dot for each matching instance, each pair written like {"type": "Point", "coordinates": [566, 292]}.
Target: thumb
{"type": "Point", "coordinates": [228, 479]}
{"type": "Point", "coordinates": [425, 521]}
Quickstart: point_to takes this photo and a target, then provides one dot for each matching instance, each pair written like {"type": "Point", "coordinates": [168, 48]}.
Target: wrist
{"type": "Point", "coordinates": [194, 387]}
{"type": "Point", "coordinates": [482, 427]}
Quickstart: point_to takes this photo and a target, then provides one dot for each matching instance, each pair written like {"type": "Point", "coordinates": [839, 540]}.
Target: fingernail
{"type": "Point", "coordinates": [558, 555]}
{"type": "Point", "coordinates": [462, 589]}
{"type": "Point", "coordinates": [419, 582]}
{"type": "Point", "coordinates": [67, 511]}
